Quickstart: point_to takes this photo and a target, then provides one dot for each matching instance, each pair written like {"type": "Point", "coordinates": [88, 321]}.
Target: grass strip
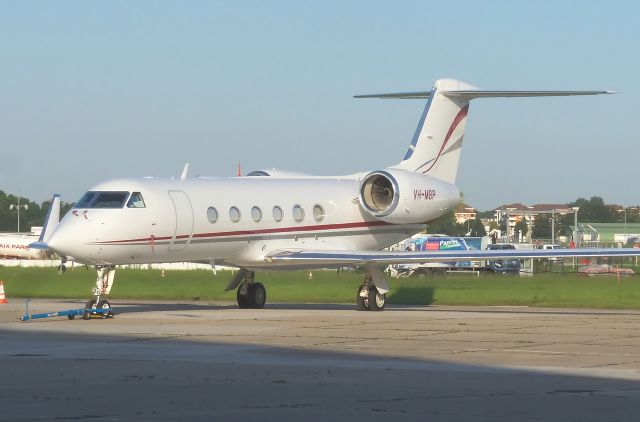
{"type": "Point", "coordinates": [544, 290]}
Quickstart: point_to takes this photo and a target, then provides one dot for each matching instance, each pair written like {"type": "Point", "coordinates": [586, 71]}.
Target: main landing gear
{"type": "Point", "coordinates": [368, 297]}
{"type": "Point", "coordinates": [371, 295]}
{"type": "Point", "coordinates": [250, 294]}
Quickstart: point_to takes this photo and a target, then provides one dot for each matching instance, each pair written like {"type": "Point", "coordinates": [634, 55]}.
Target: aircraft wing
{"type": "Point", "coordinates": [348, 258]}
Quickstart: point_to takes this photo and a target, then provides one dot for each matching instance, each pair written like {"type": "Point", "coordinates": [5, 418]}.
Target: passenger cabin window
{"type": "Point", "coordinates": [106, 199]}
{"type": "Point", "coordinates": [277, 213]}
{"type": "Point", "coordinates": [256, 214]}
{"type": "Point", "coordinates": [136, 201]}
{"type": "Point", "coordinates": [212, 215]}
{"type": "Point", "coordinates": [234, 214]}
{"type": "Point", "coordinates": [318, 213]}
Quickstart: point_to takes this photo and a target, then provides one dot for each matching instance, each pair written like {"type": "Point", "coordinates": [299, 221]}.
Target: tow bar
{"type": "Point", "coordinates": [85, 313]}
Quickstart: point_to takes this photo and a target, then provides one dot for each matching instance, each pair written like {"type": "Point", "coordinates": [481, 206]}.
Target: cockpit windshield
{"type": "Point", "coordinates": [107, 199]}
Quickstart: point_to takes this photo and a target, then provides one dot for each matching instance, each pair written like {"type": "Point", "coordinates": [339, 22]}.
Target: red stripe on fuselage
{"type": "Point", "coordinates": [319, 227]}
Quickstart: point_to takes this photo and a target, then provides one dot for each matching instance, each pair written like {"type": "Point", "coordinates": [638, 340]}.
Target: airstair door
{"type": "Point", "coordinates": [184, 220]}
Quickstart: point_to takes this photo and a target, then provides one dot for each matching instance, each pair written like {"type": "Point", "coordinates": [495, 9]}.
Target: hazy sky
{"type": "Point", "coordinates": [94, 90]}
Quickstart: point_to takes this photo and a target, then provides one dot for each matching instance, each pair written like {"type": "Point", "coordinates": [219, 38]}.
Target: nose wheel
{"type": "Point", "coordinates": [97, 304]}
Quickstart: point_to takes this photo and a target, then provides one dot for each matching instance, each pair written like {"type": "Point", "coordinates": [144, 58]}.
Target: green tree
{"type": "Point", "coordinates": [633, 215]}
{"type": "Point", "coordinates": [564, 225]}
{"type": "Point", "coordinates": [594, 211]}
{"type": "Point", "coordinates": [29, 213]}
{"type": "Point", "coordinates": [446, 224]}
{"type": "Point", "coordinates": [32, 215]}
{"type": "Point", "coordinates": [476, 228]}
{"type": "Point", "coordinates": [542, 227]}
{"type": "Point", "coordinates": [521, 226]}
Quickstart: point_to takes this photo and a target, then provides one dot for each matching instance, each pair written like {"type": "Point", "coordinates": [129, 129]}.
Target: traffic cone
{"type": "Point", "coordinates": [2, 298]}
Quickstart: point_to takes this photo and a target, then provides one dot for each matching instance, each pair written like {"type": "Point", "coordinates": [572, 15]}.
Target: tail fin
{"type": "Point", "coordinates": [437, 143]}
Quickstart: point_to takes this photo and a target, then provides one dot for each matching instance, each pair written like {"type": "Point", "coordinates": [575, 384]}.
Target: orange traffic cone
{"type": "Point", "coordinates": [2, 298]}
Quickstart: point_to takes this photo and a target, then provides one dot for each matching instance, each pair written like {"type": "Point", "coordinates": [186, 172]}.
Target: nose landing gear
{"type": "Point", "coordinates": [104, 283]}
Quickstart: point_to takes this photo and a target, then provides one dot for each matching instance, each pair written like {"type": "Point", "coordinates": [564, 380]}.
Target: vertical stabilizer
{"type": "Point", "coordinates": [437, 142]}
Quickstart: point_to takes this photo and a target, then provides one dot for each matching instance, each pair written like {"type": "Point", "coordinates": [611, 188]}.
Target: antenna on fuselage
{"type": "Point", "coordinates": [183, 176]}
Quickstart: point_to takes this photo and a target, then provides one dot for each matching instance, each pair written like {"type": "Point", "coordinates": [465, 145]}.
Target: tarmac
{"type": "Point", "coordinates": [200, 361]}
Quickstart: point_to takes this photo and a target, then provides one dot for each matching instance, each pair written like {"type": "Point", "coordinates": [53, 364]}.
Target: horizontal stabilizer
{"type": "Point", "coordinates": [398, 95]}
{"type": "Point", "coordinates": [471, 94]}
{"type": "Point", "coordinates": [478, 93]}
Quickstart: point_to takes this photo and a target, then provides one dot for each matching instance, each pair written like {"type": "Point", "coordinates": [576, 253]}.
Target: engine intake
{"type": "Point", "coordinates": [379, 193]}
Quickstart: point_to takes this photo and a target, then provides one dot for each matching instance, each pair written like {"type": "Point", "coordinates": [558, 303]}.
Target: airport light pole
{"type": "Point", "coordinates": [575, 225]}
{"type": "Point", "coordinates": [18, 206]}
{"type": "Point", "coordinates": [553, 226]}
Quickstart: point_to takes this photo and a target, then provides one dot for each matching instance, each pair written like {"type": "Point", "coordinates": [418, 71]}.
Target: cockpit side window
{"type": "Point", "coordinates": [105, 199]}
{"type": "Point", "coordinates": [136, 201]}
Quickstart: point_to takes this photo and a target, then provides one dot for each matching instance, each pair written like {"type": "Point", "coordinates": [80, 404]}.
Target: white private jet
{"type": "Point", "coordinates": [277, 220]}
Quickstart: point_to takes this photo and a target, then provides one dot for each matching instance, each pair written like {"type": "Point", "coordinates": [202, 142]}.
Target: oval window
{"type": "Point", "coordinates": [318, 213]}
{"type": "Point", "coordinates": [212, 215]}
{"type": "Point", "coordinates": [256, 214]}
{"type": "Point", "coordinates": [277, 213]}
{"type": "Point", "coordinates": [234, 214]}
{"type": "Point", "coordinates": [298, 213]}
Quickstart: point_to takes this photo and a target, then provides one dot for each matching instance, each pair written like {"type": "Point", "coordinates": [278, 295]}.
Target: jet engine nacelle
{"type": "Point", "coordinates": [400, 196]}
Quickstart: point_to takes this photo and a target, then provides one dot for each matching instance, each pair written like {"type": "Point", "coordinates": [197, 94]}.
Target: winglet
{"type": "Point", "coordinates": [50, 224]}
{"type": "Point", "coordinates": [185, 171]}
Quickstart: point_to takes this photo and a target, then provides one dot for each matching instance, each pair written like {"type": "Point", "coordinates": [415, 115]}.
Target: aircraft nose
{"type": "Point", "coordinates": [60, 241]}
{"type": "Point", "coordinates": [54, 242]}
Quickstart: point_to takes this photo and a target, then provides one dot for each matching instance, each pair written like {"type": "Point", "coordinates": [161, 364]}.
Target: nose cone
{"type": "Point", "coordinates": [56, 241]}
{"type": "Point", "coordinates": [66, 241]}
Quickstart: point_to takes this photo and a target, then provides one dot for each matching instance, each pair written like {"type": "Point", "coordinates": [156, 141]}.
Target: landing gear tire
{"type": "Point", "coordinates": [257, 295]}
{"type": "Point", "coordinates": [362, 303]}
{"type": "Point", "coordinates": [242, 297]}
{"type": "Point", "coordinates": [91, 304]}
{"type": "Point", "coordinates": [103, 304]}
{"type": "Point", "coordinates": [376, 300]}
{"type": "Point", "coordinates": [251, 296]}
{"type": "Point", "coordinates": [106, 308]}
